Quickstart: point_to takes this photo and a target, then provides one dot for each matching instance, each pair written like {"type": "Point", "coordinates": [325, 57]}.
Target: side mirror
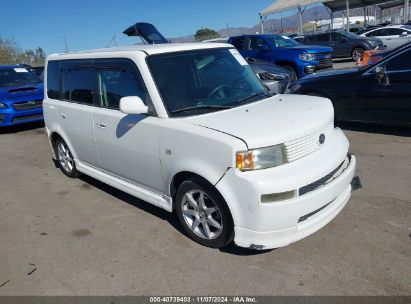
{"type": "Point", "coordinates": [403, 34]}
{"type": "Point", "coordinates": [264, 48]}
{"type": "Point", "coordinates": [381, 75]}
{"type": "Point", "coordinates": [133, 105]}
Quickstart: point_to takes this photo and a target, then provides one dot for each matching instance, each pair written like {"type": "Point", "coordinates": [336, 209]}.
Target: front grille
{"type": "Point", "coordinates": [27, 117]}
{"type": "Point", "coordinates": [324, 58]}
{"type": "Point", "coordinates": [28, 105]}
{"type": "Point", "coordinates": [305, 145]}
{"type": "Point", "coordinates": [304, 217]}
{"type": "Point", "coordinates": [326, 179]}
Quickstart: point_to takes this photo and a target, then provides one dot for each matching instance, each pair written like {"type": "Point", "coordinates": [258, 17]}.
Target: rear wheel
{"type": "Point", "coordinates": [357, 53]}
{"type": "Point", "coordinates": [65, 159]}
{"type": "Point", "coordinates": [204, 214]}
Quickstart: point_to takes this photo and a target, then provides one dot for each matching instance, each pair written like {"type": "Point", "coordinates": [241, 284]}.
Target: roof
{"type": "Point", "coordinates": [150, 49]}
{"type": "Point", "coordinates": [334, 5]}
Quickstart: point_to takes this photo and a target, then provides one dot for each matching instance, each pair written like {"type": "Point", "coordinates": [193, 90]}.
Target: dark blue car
{"type": "Point", "coordinates": [21, 96]}
{"type": "Point", "coordinates": [281, 50]}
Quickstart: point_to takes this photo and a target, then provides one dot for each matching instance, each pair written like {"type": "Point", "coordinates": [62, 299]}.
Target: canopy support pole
{"type": "Point", "coordinates": [406, 10]}
{"type": "Point", "coordinates": [300, 15]}
{"type": "Point", "coordinates": [347, 4]}
{"type": "Point", "coordinates": [261, 24]}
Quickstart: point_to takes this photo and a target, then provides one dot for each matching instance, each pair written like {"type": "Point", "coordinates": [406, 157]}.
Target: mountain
{"type": "Point", "coordinates": [290, 24]}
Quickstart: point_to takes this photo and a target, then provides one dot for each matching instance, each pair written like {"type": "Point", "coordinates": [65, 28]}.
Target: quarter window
{"type": "Point", "coordinates": [53, 79]}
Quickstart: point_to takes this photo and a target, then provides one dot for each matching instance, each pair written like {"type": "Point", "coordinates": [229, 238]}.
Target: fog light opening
{"type": "Point", "coordinates": [276, 197]}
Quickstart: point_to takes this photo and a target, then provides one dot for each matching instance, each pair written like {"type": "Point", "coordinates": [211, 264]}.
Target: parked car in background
{"type": "Point", "coordinates": [378, 93]}
{"type": "Point", "coordinates": [21, 96]}
{"type": "Point", "coordinates": [392, 36]}
{"type": "Point", "coordinates": [345, 44]}
{"type": "Point", "coordinates": [300, 60]}
{"type": "Point", "coordinates": [275, 78]}
{"type": "Point", "coordinates": [189, 128]}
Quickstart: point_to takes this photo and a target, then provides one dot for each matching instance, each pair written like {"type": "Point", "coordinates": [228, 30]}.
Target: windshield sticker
{"type": "Point", "coordinates": [20, 70]}
{"type": "Point", "coordinates": [238, 56]}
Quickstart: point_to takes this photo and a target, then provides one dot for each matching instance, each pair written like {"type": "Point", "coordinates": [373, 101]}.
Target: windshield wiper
{"type": "Point", "coordinates": [249, 97]}
{"type": "Point", "coordinates": [201, 107]}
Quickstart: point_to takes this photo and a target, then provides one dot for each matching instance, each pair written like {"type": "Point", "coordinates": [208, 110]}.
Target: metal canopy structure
{"type": "Point", "coordinates": [332, 5]}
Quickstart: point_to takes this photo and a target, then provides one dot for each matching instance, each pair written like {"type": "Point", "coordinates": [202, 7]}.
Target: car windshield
{"type": "Point", "coordinates": [17, 76]}
{"type": "Point", "coordinates": [281, 41]}
{"type": "Point", "coordinates": [349, 35]}
{"type": "Point", "coordinates": [201, 81]}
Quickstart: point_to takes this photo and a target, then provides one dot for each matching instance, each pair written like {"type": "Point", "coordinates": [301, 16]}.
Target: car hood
{"type": "Point", "coordinates": [312, 49]}
{"type": "Point", "coordinates": [272, 121]}
{"type": "Point", "coordinates": [16, 92]}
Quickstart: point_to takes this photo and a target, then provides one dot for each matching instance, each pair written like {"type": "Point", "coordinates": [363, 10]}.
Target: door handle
{"type": "Point", "coordinates": [62, 116]}
{"type": "Point", "coordinates": [101, 125]}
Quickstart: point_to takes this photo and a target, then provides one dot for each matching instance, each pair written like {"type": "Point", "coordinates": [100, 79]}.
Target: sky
{"type": "Point", "coordinates": [88, 24]}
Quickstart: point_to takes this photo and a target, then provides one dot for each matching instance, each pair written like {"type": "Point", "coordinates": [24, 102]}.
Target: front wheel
{"type": "Point", "coordinates": [204, 214]}
{"type": "Point", "coordinates": [292, 72]}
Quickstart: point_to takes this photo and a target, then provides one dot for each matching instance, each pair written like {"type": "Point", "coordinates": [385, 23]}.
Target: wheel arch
{"type": "Point", "coordinates": [54, 136]}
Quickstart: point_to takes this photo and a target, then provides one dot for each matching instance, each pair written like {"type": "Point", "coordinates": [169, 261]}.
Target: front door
{"type": "Point", "coordinates": [388, 99]}
{"type": "Point", "coordinates": [128, 145]}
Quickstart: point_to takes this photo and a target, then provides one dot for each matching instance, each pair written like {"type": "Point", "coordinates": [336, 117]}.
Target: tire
{"type": "Point", "coordinates": [358, 51]}
{"type": "Point", "coordinates": [65, 159]}
{"type": "Point", "coordinates": [207, 221]}
{"type": "Point", "coordinates": [292, 71]}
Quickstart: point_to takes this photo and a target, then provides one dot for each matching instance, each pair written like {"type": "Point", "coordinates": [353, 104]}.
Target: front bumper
{"type": "Point", "coordinates": [9, 117]}
{"type": "Point", "coordinates": [275, 224]}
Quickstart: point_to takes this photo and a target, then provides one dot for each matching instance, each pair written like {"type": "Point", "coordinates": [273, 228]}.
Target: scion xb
{"type": "Point", "coordinates": [191, 129]}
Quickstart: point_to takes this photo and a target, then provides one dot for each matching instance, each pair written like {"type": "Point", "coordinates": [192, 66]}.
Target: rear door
{"type": "Point", "coordinates": [128, 145]}
{"type": "Point", "coordinates": [75, 112]}
{"type": "Point", "coordinates": [340, 45]}
{"type": "Point", "coordinates": [255, 49]}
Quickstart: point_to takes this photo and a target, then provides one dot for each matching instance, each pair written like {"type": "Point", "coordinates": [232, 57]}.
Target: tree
{"type": "Point", "coordinates": [205, 33]}
{"type": "Point", "coordinates": [11, 53]}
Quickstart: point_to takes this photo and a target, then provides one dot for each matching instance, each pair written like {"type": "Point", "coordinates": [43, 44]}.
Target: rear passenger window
{"type": "Point", "coordinates": [323, 37]}
{"type": "Point", "coordinates": [239, 43]}
{"type": "Point", "coordinates": [78, 85]}
{"type": "Point", "coordinates": [53, 79]}
{"type": "Point", "coordinates": [117, 81]}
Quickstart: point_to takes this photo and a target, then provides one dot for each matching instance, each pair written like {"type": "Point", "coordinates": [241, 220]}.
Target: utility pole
{"type": "Point", "coordinates": [115, 39]}
{"type": "Point", "coordinates": [406, 11]}
{"type": "Point", "coordinates": [347, 4]}
{"type": "Point", "coordinates": [228, 32]}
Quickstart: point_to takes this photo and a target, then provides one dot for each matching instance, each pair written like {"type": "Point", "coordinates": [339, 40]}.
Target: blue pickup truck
{"type": "Point", "coordinates": [281, 50]}
{"type": "Point", "coordinates": [21, 96]}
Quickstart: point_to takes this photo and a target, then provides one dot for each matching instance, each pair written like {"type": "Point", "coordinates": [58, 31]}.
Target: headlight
{"type": "Point", "coordinates": [2, 106]}
{"type": "Point", "coordinates": [307, 57]}
{"type": "Point", "coordinates": [261, 158]}
{"type": "Point", "coordinates": [271, 76]}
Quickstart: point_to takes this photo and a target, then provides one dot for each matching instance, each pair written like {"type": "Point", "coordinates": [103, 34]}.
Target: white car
{"type": "Point", "coordinates": [392, 36]}
{"type": "Point", "coordinates": [191, 129]}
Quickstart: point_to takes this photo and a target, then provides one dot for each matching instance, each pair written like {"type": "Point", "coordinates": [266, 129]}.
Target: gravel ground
{"type": "Point", "coordinates": [62, 236]}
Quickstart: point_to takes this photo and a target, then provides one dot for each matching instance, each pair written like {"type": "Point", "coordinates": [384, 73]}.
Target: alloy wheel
{"type": "Point", "coordinates": [202, 214]}
{"type": "Point", "coordinates": [65, 158]}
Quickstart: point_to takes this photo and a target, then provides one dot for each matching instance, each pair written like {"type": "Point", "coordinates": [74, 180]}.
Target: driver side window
{"type": "Point", "coordinates": [401, 62]}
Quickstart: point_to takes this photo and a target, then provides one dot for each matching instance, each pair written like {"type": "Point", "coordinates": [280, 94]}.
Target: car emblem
{"type": "Point", "coordinates": [321, 139]}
